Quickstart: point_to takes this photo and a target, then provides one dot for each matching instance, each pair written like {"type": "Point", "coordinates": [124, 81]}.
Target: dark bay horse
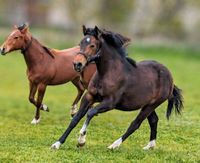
{"type": "Point", "coordinates": [46, 67]}
{"type": "Point", "coordinates": [123, 86]}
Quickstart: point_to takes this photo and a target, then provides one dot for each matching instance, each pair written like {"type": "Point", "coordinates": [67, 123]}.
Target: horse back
{"type": "Point", "coordinates": [69, 51]}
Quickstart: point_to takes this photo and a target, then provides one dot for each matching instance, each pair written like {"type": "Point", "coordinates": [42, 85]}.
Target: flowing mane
{"type": "Point", "coordinates": [119, 42]}
{"type": "Point", "coordinates": [116, 40]}
{"type": "Point", "coordinates": [48, 51]}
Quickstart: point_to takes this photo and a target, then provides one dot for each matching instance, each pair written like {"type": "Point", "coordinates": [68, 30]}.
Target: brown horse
{"type": "Point", "coordinates": [46, 67]}
{"type": "Point", "coordinates": [123, 86]}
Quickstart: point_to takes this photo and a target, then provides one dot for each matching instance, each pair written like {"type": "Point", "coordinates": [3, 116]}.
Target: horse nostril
{"type": "Point", "coordinates": [77, 66]}
{"type": "Point", "coordinates": [2, 50]}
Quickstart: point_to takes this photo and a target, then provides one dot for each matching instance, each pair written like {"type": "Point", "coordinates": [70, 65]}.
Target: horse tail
{"type": "Point", "coordinates": [176, 101]}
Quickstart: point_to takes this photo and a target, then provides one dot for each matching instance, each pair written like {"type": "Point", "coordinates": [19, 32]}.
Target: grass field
{"type": "Point", "coordinates": [178, 139]}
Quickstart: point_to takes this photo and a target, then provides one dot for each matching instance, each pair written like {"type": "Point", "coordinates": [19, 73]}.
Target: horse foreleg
{"type": "Point", "coordinates": [39, 105]}
{"type": "Point", "coordinates": [86, 102]}
{"type": "Point", "coordinates": [33, 89]}
{"type": "Point", "coordinates": [80, 89]}
{"type": "Point", "coordinates": [153, 121]}
{"type": "Point", "coordinates": [104, 106]}
{"type": "Point", "coordinates": [144, 113]}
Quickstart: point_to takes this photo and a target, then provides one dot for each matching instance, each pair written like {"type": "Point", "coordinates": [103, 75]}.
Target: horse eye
{"type": "Point", "coordinates": [16, 37]}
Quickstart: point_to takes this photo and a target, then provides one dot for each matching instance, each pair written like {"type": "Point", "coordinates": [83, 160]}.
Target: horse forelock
{"type": "Point", "coordinates": [21, 27]}
{"type": "Point", "coordinates": [90, 31]}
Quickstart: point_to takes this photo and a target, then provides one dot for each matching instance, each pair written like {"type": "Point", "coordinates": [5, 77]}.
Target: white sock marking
{"type": "Point", "coordinates": [45, 107]}
{"type": "Point", "coordinates": [83, 129]}
{"type": "Point", "coordinates": [116, 144]}
{"type": "Point", "coordinates": [82, 139]}
{"type": "Point", "coordinates": [35, 121]}
{"type": "Point", "coordinates": [150, 145]}
{"type": "Point", "coordinates": [56, 145]}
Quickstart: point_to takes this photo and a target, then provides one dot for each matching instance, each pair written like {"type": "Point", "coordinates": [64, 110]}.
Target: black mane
{"type": "Point", "coordinates": [48, 51]}
{"type": "Point", "coordinates": [114, 39]}
{"type": "Point", "coordinates": [119, 42]}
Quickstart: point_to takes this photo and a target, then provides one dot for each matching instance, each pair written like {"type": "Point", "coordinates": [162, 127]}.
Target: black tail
{"type": "Point", "coordinates": [176, 101]}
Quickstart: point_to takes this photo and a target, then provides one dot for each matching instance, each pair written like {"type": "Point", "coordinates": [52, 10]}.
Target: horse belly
{"type": "Point", "coordinates": [130, 104]}
{"type": "Point", "coordinates": [64, 71]}
{"type": "Point", "coordinates": [137, 96]}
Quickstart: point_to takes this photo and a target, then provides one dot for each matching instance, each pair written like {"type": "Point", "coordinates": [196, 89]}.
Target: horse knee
{"type": "Point", "coordinates": [32, 100]}
{"type": "Point", "coordinates": [89, 97]}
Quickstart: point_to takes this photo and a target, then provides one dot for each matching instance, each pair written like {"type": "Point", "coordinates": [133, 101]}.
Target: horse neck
{"type": "Point", "coordinates": [34, 54]}
{"type": "Point", "coordinates": [108, 60]}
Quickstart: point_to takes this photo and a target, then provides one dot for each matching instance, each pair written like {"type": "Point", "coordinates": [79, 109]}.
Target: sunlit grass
{"type": "Point", "coordinates": [178, 139]}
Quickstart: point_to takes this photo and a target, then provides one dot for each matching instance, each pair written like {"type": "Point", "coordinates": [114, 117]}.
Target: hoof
{"type": "Point", "coordinates": [35, 121]}
{"type": "Point", "coordinates": [150, 145]}
{"type": "Point", "coordinates": [45, 107]}
{"type": "Point", "coordinates": [81, 140]}
{"type": "Point", "coordinates": [56, 145]}
{"type": "Point", "coordinates": [116, 144]}
{"type": "Point", "coordinates": [80, 145]}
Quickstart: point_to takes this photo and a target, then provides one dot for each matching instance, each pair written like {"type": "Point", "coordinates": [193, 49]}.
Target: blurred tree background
{"type": "Point", "coordinates": [153, 20]}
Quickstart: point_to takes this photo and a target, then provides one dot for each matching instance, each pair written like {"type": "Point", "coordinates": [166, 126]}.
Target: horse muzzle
{"type": "Point", "coordinates": [78, 66]}
{"type": "Point", "coordinates": [2, 51]}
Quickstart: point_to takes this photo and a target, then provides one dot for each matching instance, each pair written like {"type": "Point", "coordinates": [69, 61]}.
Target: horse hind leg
{"type": "Point", "coordinates": [39, 105]}
{"type": "Point", "coordinates": [80, 89]}
{"type": "Point", "coordinates": [153, 121]}
{"type": "Point", "coordinates": [144, 113]}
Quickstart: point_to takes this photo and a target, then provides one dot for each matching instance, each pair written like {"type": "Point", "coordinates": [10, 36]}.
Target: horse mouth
{"type": "Point", "coordinates": [3, 52]}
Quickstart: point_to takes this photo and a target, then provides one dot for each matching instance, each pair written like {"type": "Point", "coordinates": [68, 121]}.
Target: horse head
{"type": "Point", "coordinates": [18, 39]}
{"type": "Point", "coordinates": [89, 48]}
{"type": "Point", "coordinates": [90, 45]}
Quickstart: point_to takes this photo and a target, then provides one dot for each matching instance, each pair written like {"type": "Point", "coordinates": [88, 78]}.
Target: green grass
{"type": "Point", "coordinates": [178, 139]}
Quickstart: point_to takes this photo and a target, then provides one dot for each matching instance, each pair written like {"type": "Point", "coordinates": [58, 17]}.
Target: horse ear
{"type": "Point", "coordinates": [84, 30]}
{"type": "Point", "coordinates": [98, 32]}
